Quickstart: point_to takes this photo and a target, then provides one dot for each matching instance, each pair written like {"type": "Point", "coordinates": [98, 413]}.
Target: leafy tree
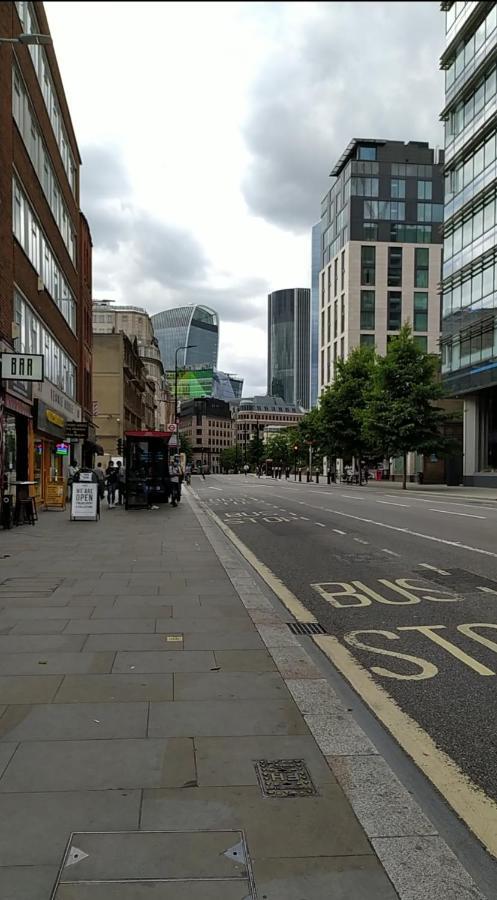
{"type": "Point", "coordinates": [255, 450]}
{"type": "Point", "coordinates": [278, 449]}
{"type": "Point", "coordinates": [402, 415]}
{"type": "Point", "coordinates": [229, 458]}
{"type": "Point", "coordinates": [343, 405]}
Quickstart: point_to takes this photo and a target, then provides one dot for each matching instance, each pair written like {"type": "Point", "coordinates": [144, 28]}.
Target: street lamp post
{"type": "Point", "coordinates": [295, 449]}
{"type": "Point", "coordinates": [185, 347]}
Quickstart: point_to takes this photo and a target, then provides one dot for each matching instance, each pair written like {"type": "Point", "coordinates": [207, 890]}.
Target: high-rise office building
{"type": "Point", "coordinates": [315, 269]}
{"type": "Point", "coordinates": [197, 326]}
{"type": "Point", "coordinates": [381, 249]}
{"type": "Point", "coordinates": [289, 345]}
{"type": "Point", "coordinates": [45, 263]}
{"type": "Point", "coordinates": [469, 331]}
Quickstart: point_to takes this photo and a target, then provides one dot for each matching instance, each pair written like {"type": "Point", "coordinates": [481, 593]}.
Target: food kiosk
{"type": "Point", "coordinates": [147, 468]}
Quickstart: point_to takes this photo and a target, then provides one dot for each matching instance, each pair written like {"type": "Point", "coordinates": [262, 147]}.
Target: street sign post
{"type": "Point", "coordinates": [22, 366]}
{"type": "Point", "coordinates": [77, 430]}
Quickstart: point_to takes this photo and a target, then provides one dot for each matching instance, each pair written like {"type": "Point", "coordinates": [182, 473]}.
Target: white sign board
{"type": "Point", "coordinates": [86, 476]}
{"type": "Point", "coordinates": [22, 366]}
{"type": "Point", "coordinates": [84, 501]}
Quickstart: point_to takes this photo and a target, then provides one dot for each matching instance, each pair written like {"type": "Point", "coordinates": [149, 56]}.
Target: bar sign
{"type": "Point", "coordinates": [22, 366]}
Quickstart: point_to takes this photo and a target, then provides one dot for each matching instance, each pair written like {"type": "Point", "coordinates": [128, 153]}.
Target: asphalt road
{"type": "Point", "coordinates": [407, 582]}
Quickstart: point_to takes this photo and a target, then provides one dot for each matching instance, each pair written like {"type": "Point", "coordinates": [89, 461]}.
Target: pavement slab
{"type": "Point", "coordinates": [28, 688]}
{"type": "Point", "coordinates": [26, 882]}
{"type": "Point", "coordinates": [114, 688]}
{"type": "Point", "coordinates": [229, 686]}
{"type": "Point", "coordinates": [223, 718]}
{"type": "Point", "coordinates": [73, 721]}
{"type": "Point", "coordinates": [55, 663]}
{"type": "Point", "coordinates": [323, 878]}
{"type": "Point", "coordinates": [164, 661]}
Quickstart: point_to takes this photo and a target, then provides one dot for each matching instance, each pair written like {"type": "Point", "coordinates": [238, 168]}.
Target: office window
{"type": "Point", "coordinates": [366, 152]}
{"type": "Point", "coordinates": [367, 340]}
{"type": "Point", "coordinates": [394, 266]}
{"type": "Point", "coordinates": [370, 231]}
{"type": "Point", "coordinates": [335, 279]}
{"type": "Point", "coordinates": [368, 265]}
{"type": "Point", "coordinates": [421, 341]}
{"type": "Point", "coordinates": [342, 317]}
{"type": "Point", "coordinates": [398, 189]}
{"type": "Point", "coordinates": [367, 310]}
{"type": "Point", "coordinates": [420, 311]}
{"type": "Point", "coordinates": [394, 319]}
{"type": "Point", "coordinates": [364, 187]}
{"type": "Point", "coordinates": [342, 348]}
{"type": "Point", "coordinates": [335, 317]}
{"type": "Point", "coordinates": [424, 190]}
{"type": "Point", "coordinates": [421, 266]}
{"type": "Point", "coordinates": [342, 270]}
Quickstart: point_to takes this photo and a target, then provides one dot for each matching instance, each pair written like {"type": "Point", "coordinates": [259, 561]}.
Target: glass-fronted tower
{"type": "Point", "coordinates": [469, 323]}
{"type": "Point", "coordinates": [197, 325]}
{"type": "Point", "coordinates": [315, 270]}
{"type": "Point", "coordinates": [289, 345]}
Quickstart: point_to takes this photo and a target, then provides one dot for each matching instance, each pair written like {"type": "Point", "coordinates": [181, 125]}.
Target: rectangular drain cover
{"type": "Point", "coordinates": [284, 778]}
{"type": "Point", "coordinates": [306, 628]}
{"type": "Point", "coordinates": [194, 865]}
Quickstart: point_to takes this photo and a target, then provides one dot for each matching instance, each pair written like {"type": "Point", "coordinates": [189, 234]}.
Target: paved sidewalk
{"type": "Point", "coordinates": [144, 674]}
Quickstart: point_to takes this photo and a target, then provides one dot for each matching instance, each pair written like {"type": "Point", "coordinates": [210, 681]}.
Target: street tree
{"type": "Point", "coordinates": [185, 445]}
{"type": "Point", "coordinates": [278, 449]}
{"type": "Point", "coordinates": [229, 458]}
{"type": "Point", "coordinates": [402, 415]}
{"type": "Point", "coordinates": [343, 406]}
{"type": "Point", "coordinates": [255, 450]}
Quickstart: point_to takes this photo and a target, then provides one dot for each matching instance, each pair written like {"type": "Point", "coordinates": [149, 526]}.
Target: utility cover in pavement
{"type": "Point", "coordinates": [215, 859]}
{"type": "Point", "coordinates": [284, 778]}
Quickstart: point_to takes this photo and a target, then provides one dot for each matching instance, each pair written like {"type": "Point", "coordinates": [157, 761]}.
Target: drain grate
{"type": "Point", "coordinates": [306, 628]}
{"type": "Point", "coordinates": [284, 778]}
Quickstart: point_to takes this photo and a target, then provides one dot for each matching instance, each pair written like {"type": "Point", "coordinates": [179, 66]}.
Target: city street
{"type": "Point", "coordinates": [405, 586]}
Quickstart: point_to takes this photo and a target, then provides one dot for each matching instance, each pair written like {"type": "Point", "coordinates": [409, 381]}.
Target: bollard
{"type": "Point", "coordinates": [300, 474]}
{"type": "Point", "coordinates": [328, 477]}
{"type": "Point", "coordinates": [317, 476]}
{"type": "Point", "coordinates": [308, 477]}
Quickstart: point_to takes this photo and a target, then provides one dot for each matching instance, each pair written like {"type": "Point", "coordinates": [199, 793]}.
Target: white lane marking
{"type": "Point", "coordinates": [215, 489]}
{"type": "Point", "coordinates": [434, 569]}
{"type": "Point", "coordinates": [360, 541]}
{"type": "Point", "coordinates": [448, 512]}
{"type": "Point", "coordinates": [448, 500]}
{"type": "Point", "coordinates": [320, 524]}
{"type": "Point", "coordinates": [347, 496]}
{"type": "Point", "coordinates": [487, 590]}
{"type": "Point", "coordinates": [305, 518]}
{"type": "Point", "coordinates": [391, 552]}
{"type": "Point", "coordinates": [389, 503]}
{"type": "Point", "coordinates": [337, 531]}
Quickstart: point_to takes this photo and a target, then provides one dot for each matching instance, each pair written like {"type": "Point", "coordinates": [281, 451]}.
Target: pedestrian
{"type": "Point", "coordinates": [111, 482]}
{"type": "Point", "coordinates": [121, 482]}
{"type": "Point", "coordinates": [99, 472]}
{"type": "Point", "coordinates": [202, 472]}
{"type": "Point", "coordinates": [287, 473]}
{"type": "Point", "coordinates": [245, 469]}
{"type": "Point", "coordinates": [174, 473]}
{"type": "Point", "coordinates": [71, 472]}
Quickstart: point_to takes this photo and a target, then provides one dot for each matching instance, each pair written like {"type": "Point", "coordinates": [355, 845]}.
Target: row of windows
{"type": "Point", "coordinates": [465, 111]}
{"type": "Point", "coordinates": [469, 349]}
{"type": "Point", "coordinates": [481, 221]}
{"type": "Point", "coordinates": [404, 234]}
{"type": "Point", "coordinates": [218, 443]}
{"type": "Point", "coordinates": [421, 266]}
{"type": "Point", "coordinates": [394, 310]}
{"type": "Point", "coordinates": [411, 170]}
{"type": "Point", "coordinates": [466, 50]}
{"type": "Point", "coordinates": [39, 156]}
{"type": "Point", "coordinates": [368, 187]}
{"type": "Point", "coordinates": [478, 289]}
{"type": "Point", "coordinates": [421, 340]}
{"type": "Point", "coordinates": [28, 232]}
{"type": "Point", "coordinates": [42, 69]}
{"type": "Point", "coordinates": [384, 209]}
{"type": "Point", "coordinates": [465, 173]}
{"type": "Point", "coordinates": [34, 338]}
{"type": "Point", "coordinates": [454, 11]}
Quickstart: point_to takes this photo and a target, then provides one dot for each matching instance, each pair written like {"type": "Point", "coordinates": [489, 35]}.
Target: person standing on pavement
{"type": "Point", "coordinates": [174, 474]}
{"type": "Point", "coordinates": [71, 472]}
{"type": "Point", "coordinates": [99, 472]}
{"type": "Point", "coordinates": [121, 482]}
{"type": "Point", "coordinates": [111, 481]}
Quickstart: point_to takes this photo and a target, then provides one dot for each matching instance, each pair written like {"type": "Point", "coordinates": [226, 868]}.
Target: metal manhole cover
{"type": "Point", "coordinates": [284, 778]}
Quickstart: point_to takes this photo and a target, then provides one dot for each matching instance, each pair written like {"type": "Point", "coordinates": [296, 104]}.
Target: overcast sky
{"type": "Point", "coordinates": [208, 132]}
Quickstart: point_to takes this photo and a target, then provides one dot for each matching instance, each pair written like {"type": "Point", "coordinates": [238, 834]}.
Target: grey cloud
{"type": "Point", "coordinates": [147, 260]}
{"type": "Point", "coordinates": [358, 70]}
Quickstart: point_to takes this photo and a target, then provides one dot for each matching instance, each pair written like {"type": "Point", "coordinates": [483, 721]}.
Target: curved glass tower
{"type": "Point", "coordinates": [197, 325]}
{"type": "Point", "coordinates": [289, 345]}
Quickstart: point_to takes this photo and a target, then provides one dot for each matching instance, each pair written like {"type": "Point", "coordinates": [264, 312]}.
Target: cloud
{"type": "Point", "coordinates": [349, 70]}
{"type": "Point", "coordinates": [138, 258]}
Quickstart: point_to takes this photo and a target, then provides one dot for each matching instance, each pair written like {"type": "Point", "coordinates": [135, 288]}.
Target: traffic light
{"type": "Point", "coordinates": [119, 447]}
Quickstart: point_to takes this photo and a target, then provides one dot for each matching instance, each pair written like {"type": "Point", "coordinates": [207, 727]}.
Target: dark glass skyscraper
{"type": "Point", "coordinates": [289, 345]}
{"type": "Point", "coordinates": [315, 270]}
{"type": "Point", "coordinates": [195, 325]}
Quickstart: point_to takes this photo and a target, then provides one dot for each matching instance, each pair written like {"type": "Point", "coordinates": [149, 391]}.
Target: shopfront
{"type": "Point", "coordinates": [15, 431]}
{"type": "Point", "coordinates": [52, 452]}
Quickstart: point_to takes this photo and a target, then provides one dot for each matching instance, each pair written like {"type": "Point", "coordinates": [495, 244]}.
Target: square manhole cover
{"type": "Point", "coordinates": [284, 778]}
{"type": "Point", "coordinates": [193, 865]}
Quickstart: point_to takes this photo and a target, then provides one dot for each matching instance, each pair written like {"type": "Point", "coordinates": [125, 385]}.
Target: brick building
{"type": "Point", "coordinates": [207, 423]}
{"type": "Point", "coordinates": [45, 258]}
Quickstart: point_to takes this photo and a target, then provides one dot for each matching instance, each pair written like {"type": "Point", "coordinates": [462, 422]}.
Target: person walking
{"type": "Point", "coordinates": [111, 482]}
{"type": "Point", "coordinates": [121, 482]}
{"type": "Point", "coordinates": [99, 472]}
{"type": "Point", "coordinates": [245, 469]}
{"type": "Point", "coordinates": [71, 472]}
{"type": "Point", "coordinates": [174, 473]}
{"type": "Point", "coordinates": [287, 473]}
